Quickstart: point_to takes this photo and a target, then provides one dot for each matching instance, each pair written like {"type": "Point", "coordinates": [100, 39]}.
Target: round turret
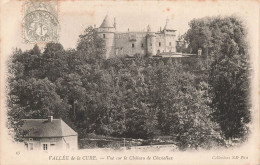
{"type": "Point", "coordinates": [151, 41]}
{"type": "Point", "coordinates": [107, 32]}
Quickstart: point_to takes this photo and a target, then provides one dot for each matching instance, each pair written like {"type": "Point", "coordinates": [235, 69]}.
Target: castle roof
{"type": "Point", "coordinates": [107, 22]}
{"type": "Point", "coordinates": [45, 128]}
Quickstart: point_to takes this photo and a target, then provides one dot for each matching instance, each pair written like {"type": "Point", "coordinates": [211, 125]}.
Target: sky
{"type": "Point", "coordinates": [75, 16]}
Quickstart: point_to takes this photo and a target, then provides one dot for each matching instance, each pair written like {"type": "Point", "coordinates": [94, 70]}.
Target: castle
{"type": "Point", "coordinates": [129, 43]}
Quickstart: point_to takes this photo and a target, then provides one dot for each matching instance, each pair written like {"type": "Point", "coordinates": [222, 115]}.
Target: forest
{"type": "Point", "coordinates": [199, 101]}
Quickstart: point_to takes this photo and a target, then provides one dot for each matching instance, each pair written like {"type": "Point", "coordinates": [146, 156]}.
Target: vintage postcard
{"type": "Point", "coordinates": [129, 82]}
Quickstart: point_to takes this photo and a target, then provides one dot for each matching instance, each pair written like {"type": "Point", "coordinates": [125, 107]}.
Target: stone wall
{"type": "Point", "coordinates": [72, 141]}
{"type": "Point", "coordinates": [165, 43]}
{"type": "Point", "coordinates": [130, 43]}
{"type": "Point", "coordinates": [37, 143]}
{"type": "Point", "coordinates": [53, 143]}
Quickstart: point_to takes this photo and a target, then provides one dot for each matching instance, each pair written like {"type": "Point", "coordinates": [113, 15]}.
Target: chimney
{"type": "Point", "coordinates": [50, 118]}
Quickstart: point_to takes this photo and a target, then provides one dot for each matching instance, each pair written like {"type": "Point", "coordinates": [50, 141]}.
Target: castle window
{"type": "Point", "coordinates": [104, 35]}
{"type": "Point", "coordinates": [142, 45]}
{"type": "Point", "coordinates": [170, 43]}
{"type": "Point", "coordinates": [133, 45]}
{"type": "Point", "coordinates": [159, 43]}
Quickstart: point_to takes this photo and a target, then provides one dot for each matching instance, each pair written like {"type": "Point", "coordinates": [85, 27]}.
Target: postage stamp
{"type": "Point", "coordinates": [40, 22]}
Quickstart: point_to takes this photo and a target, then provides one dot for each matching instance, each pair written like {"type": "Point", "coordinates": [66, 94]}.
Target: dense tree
{"type": "Point", "coordinates": [199, 35]}
{"type": "Point", "coordinates": [91, 45]}
{"type": "Point", "coordinates": [38, 98]}
{"type": "Point", "coordinates": [223, 40]}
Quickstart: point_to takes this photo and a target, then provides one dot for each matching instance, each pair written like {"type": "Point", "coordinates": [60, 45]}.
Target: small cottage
{"type": "Point", "coordinates": [49, 134]}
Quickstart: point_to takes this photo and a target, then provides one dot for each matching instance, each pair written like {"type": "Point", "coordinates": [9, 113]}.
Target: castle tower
{"type": "Point", "coordinates": [107, 32]}
{"type": "Point", "coordinates": [170, 37]}
{"type": "Point", "coordinates": [151, 42]}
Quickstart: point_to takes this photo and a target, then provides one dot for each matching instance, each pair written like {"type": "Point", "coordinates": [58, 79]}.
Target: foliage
{"type": "Point", "coordinates": [224, 44]}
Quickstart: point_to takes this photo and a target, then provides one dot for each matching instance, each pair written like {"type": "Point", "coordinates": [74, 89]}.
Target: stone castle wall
{"type": "Point", "coordinates": [130, 43]}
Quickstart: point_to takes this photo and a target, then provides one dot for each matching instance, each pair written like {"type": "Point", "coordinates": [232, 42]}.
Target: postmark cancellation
{"type": "Point", "coordinates": [40, 21]}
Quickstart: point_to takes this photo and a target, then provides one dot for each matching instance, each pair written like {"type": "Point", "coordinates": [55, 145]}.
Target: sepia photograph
{"type": "Point", "coordinates": [129, 82]}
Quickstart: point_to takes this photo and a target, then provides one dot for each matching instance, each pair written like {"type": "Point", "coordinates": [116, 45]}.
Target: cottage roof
{"type": "Point", "coordinates": [45, 128]}
{"type": "Point", "coordinates": [107, 23]}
